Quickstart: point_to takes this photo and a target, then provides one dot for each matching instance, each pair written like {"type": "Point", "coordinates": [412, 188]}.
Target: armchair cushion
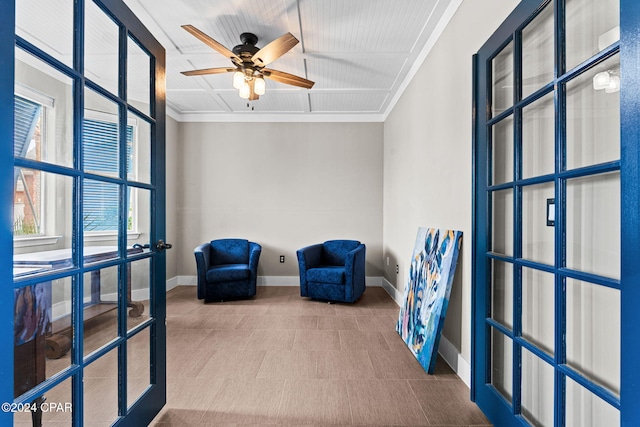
{"type": "Point", "coordinates": [334, 252]}
{"type": "Point", "coordinates": [327, 274]}
{"type": "Point", "coordinates": [228, 272]}
{"type": "Point", "coordinates": [229, 251]}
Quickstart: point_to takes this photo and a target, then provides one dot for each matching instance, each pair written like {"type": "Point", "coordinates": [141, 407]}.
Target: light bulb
{"type": "Point", "coordinates": [260, 86]}
{"type": "Point", "coordinates": [238, 79]}
{"type": "Point", "coordinates": [245, 90]}
{"type": "Point", "coordinates": [601, 80]}
{"type": "Point", "coordinates": [614, 85]}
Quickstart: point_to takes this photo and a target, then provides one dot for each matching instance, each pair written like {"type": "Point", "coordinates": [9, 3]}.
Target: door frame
{"type": "Point", "coordinates": [142, 412]}
{"type": "Point", "coordinates": [630, 215]}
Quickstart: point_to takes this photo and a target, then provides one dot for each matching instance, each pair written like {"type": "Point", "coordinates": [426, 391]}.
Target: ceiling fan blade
{"type": "Point", "coordinates": [286, 78]}
{"type": "Point", "coordinates": [274, 50]}
{"type": "Point", "coordinates": [211, 42]}
{"type": "Point", "coordinates": [206, 71]}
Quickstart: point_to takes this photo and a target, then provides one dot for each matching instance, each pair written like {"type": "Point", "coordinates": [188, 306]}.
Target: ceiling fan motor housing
{"type": "Point", "coordinates": [248, 47]}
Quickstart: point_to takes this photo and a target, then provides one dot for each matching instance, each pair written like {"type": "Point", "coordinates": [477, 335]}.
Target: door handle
{"type": "Point", "coordinates": [161, 245]}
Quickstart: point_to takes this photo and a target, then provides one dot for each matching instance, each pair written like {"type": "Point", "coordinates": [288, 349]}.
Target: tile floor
{"type": "Point", "coordinates": [282, 359]}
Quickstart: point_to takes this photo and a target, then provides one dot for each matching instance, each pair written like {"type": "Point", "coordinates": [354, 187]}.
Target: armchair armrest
{"type": "Point", "coordinates": [355, 271]}
{"type": "Point", "coordinates": [254, 256]}
{"type": "Point", "coordinates": [203, 261]}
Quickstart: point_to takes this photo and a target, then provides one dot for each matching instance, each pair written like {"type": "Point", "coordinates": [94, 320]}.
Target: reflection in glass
{"type": "Point", "coordinates": [100, 312]}
{"type": "Point", "coordinates": [138, 77]}
{"type": "Point", "coordinates": [593, 117]}
{"type": "Point", "coordinates": [48, 25]}
{"type": "Point", "coordinates": [43, 106]}
{"type": "Point", "coordinates": [101, 390]}
{"type": "Point", "coordinates": [538, 308]}
{"type": "Point", "coordinates": [538, 138]}
{"type": "Point", "coordinates": [537, 390]}
{"type": "Point", "coordinates": [101, 48]}
{"type": "Point", "coordinates": [585, 409]}
{"type": "Point", "coordinates": [538, 51]}
{"type": "Point", "coordinates": [139, 292]}
{"type": "Point", "coordinates": [502, 292]}
{"type": "Point", "coordinates": [593, 332]}
{"type": "Point", "coordinates": [502, 81]}
{"type": "Point", "coordinates": [138, 365]}
{"type": "Point", "coordinates": [138, 149]}
{"type": "Point", "coordinates": [502, 222]}
{"type": "Point", "coordinates": [593, 224]}
{"type": "Point", "coordinates": [592, 26]}
{"type": "Point", "coordinates": [502, 151]}
{"type": "Point", "coordinates": [501, 363]}
{"type": "Point", "coordinates": [537, 236]}
{"type": "Point", "coordinates": [100, 214]}
{"type": "Point", "coordinates": [100, 135]}
{"type": "Point", "coordinates": [57, 408]}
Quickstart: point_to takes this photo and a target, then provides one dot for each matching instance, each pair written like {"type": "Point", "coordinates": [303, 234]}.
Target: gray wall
{"type": "Point", "coordinates": [172, 178]}
{"type": "Point", "coordinates": [283, 185]}
{"type": "Point", "coordinates": [427, 156]}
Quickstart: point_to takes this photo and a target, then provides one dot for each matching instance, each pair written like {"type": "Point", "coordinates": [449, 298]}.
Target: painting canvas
{"type": "Point", "coordinates": [427, 291]}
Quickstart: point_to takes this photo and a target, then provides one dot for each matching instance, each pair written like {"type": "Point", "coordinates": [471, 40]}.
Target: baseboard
{"type": "Point", "coordinates": [448, 351]}
{"type": "Point", "coordinates": [374, 281]}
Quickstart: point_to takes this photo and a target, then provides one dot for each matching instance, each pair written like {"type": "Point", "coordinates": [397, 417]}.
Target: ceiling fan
{"type": "Point", "coordinates": [250, 62]}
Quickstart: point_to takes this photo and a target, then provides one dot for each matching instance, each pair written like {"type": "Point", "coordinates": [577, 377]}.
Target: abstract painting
{"type": "Point", "coordinates": [427, 291]}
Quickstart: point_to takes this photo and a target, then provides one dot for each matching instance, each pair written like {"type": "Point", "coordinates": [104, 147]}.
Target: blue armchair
{"type": "Point", "coordinates": [333, 270]}
{"type": "Point", "coordinates": [227, 268]}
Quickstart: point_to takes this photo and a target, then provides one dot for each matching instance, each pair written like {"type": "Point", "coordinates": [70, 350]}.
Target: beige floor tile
{"type": "Point", "coordinates": [447, 403]}
{"type": "Point", "coordinates": [278, 321]}
{"type": "Point", "coordinates": [266, 339]}
{"type": "Point", "coordinates": [394, 340]}
{"type": "Point", "coordinates": [337, 323]}
{"type": "Point", "coordinates": [398, 365]}
{"type": "Point", "coordinates": [289, 364]}
{"type": "Point", "coordinates": [383, 322]}
{"type": "Point", "coordinates": [345, 309]}
{"type": "Point", "coordinates": [217, 339]}
{"type": "Point", "coordinates": [319, 402]}
{"type": "Point", "coordinates": [186, 362]}
{"type": "Point", "coordinates": [379, 402]}
{"type": "Point", "coordinates": [362, 340]}
{"type": "Point", "coordinates": [345, 365]}
{"type": "Point", "coordinates": [316, 340]}
{"type": "Point", "coordinates": [246, 401]}
{"type": "Point", "coordinates": [210, 321]}
{"type": "Point", "coordinates": [233, 363]}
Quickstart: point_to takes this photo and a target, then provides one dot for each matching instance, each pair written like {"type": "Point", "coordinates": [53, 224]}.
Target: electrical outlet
{"type": "Point", "coordinates": [397, 269]}
{"type": "Point", "coordinates": [282, 258]}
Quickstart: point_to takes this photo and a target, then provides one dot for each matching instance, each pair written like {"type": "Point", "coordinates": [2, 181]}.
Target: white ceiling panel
{"type": "Point", "coordinates": [359, 53]}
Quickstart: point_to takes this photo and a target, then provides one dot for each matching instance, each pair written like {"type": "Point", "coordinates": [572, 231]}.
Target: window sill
{"type": "Point", "coordinates": [26, 241]}
{"type": "Point", "coordinates": [101, 237]}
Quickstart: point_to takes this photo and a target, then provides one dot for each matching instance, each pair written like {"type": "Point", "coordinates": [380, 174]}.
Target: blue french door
{"type": "Point", "coordinates": [556, 216]}
{"type": "Point", "coordinates": [83, 303]}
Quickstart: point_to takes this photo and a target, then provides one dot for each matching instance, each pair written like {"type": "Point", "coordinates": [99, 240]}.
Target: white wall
{"type": "Point", "coordinates": [427, 156]}
{"type": "Point", "coordinates": [172, 179]}
{"type": "Point", "coordinates": [283, 185]}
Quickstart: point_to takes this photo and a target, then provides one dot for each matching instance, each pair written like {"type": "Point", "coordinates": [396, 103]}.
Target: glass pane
{"type": "Point", "coordinates": [101, 390]}
{"type": "Point", "coordinates": [100, 138]}
{"type": "Point", "coordinates": [138, 77]}
{"type": "Point", "coordinates": [43, 112]}
{"type": "Point", "coordinates": [502, 151]}
{"type": "Point", "coordinates": [56, 410]}
{"type": "Point", "coordinates": [593, 25]}
{"type": "Point", "coordinates": [138, 365]}
{"type": "Point", "coordinates": [585, 409]}
{"type": "Point", "coordinates": [48, 25]}
{"type": "Point", "coordinates": [139, 215]}
{"type": "Point", "coordinates": [42, 212]}
{"type": "Point", "coordinates": [538, 308]}
{"type": "Point", "coordinates": [593, 115]}
{"type": "Point", "coordinates": [138, 276]}
{"type": "Point", "coordinates": [502, 292]}
{"type": "Point", "coordinates": [593, 224]}
{"type": "Point", "coordinates": [502, 83]}
{"type": "Point", "coordinates": [538, 50]}
{"type": "Point", "coordinates": [100, 216]}
{"type": "Point", "coordinates": [59, 342]}
{"type": "Point", "coordinates": [593, 332]}
{"type": "Point", "coordinates": [100, 308]}
{"type": "Point", "coordinates": [538, 138]}
{"type": "Point", "coordinates": [502, 222]}
{"type": "Point", "coordinates": [537, 390]}
{"type": "Point", "coordinates": [501, 363]}
{"type": "Point", "coordinates": [138, 149]}
{"type": "Point", "coordinates": [537, 236]}
{"type": "Point", "coordinates": [101, 48]}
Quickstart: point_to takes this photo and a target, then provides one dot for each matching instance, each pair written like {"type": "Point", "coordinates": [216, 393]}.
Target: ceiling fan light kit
{"type": "Point", "coordinates": [250, 62]}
